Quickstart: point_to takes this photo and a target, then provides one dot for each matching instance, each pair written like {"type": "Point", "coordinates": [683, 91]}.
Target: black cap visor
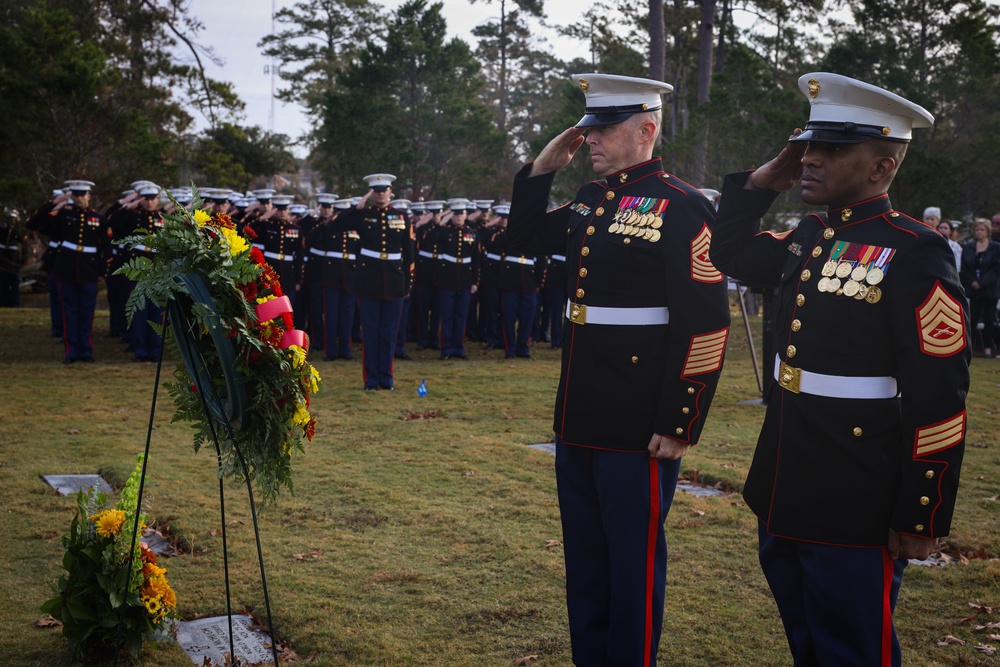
{"type": "Point", "coordinates": [843, 133]}
{"type": "Point", "coordinates": [598, 116]}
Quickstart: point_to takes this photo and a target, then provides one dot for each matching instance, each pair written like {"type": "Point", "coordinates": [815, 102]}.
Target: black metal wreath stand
{"type": "Point", "coordinates": [197, 377]}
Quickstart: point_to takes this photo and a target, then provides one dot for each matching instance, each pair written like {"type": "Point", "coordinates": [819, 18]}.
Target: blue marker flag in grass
{"type": "Point", "coordinates": [422, 389]}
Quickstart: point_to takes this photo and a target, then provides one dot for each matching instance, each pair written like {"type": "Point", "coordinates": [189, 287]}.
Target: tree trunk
{"type": "Point", "coordinates": [657, 49]}
{"type": "Point", "coordinates": [706, 37]}
{"type": "Point", "coordinates": [721, 48]}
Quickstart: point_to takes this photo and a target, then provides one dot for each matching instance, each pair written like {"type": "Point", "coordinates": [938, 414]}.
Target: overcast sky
{"type": "Point", "coordinates": [234, 31]}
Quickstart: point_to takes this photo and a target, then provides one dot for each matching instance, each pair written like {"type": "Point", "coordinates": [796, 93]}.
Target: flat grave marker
{"type": "Point", "coordinates": [209, 638]}
{"type": "Point", "coordinates": [70, 485]}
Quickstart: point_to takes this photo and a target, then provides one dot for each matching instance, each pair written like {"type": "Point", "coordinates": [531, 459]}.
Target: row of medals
{"type": "Point", "coordinates": [633, 223]}
{"type": "Point", "coordinates": [861, 284]}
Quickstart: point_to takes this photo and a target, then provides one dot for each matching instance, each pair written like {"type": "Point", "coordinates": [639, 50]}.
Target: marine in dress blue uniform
{"type": "Point", "coordinates": [457, 276]}
{"type": "Point", "coordinates": [382, 275]}
{"type": "Point", "coordinates": [426, 299]}
{"type": "Point", "coordinates": [518, 300]}
{"type": "Point", "coordinates": [52, 245]}
{"type": "Point", "coordinates": [491, 243]}
{"type": "Point", "coordinates": [141, 213]}
{"type": "Point", "coordinates": [642, 353]}
{"type": "Point", "coordinates": [80, 263]}
{"type": "Point", "coordinates": [281, 242]}
{"type": "Point", "coordinates": [404, 317]}
{"type": "Point", "coordinates": [330, 256]}
{"type": "Point", "coordinates": [857, 464]}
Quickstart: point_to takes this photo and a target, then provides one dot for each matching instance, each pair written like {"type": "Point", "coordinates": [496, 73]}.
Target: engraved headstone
{"type": "Point", "coordinates": [70, 485]}
{"type": "Point", "coordinates": [209, 638]}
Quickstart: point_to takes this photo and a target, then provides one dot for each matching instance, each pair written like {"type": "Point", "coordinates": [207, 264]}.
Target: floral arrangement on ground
{"type": "Point", "coordinates": [244, 300]}
{"type": "Point", "coordinates": [102, 602]}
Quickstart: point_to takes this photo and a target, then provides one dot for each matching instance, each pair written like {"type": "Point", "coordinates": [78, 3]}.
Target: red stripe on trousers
{"type": "Point", "coordinates": [652, 532]}
{"type": "Point", "coordinates": [888, 570]}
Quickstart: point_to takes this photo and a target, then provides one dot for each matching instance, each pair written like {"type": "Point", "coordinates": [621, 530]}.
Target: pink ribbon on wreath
{"type": "Point", "coordinates": [277, 307]}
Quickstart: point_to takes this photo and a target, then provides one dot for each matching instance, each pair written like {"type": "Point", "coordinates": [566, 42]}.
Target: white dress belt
{"type": "Point", "coordinates": [144, 248]}
{"type": "Point", "coordinates": [582, 314]}
{"type": "Point", "coordinates": [53, 244]}
{"type": "Point", "coordinates": [833, 386]}
{"type": "Point", "coordinates": [494, 257]}
{"type": "Point", "coordinates": [426, 253]}
{"type": "Point", "coordinates": [521, 260]}
{"type": "Point", "coordinates": [79, 248]}
{"type": "Point", "coordinates": [456, 260]}
{"type": "Point", "coordinates": [381, 255]}
{"type": "Point", "coordinates": [8, 247]}
{"type": "Point", "coordinates": [331, 253]}
{"type": "Point", "coordinates": [558, 258]}
{"type": "Point", "coordinates": [280, 256]}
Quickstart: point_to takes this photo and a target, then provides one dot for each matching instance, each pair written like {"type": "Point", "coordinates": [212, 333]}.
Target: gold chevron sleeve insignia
{"type": "Point", "coordinates": [705, 353]}
{"type": "Point", "coordinates": [941, 323]}
{"type": "Point", "coordinates": [939, 437]}
{"type": "Point", "coordinates": [702, 269]}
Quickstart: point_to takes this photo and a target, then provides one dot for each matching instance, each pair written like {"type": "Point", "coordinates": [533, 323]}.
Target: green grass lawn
{"type": "Point", "coordinates": [430, 541]}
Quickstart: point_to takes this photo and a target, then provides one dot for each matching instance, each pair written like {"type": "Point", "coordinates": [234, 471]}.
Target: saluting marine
{"type": "Point", "coordinates": [641, 357]}
{"type": "Point", "coordinates": [84, 248]}
{"type": "Point", "coordinates": [457, 276]}
{"type": "Point", "coordinates": [280, 241]}
{"type": "Point", "coordinates": [382, 274]}
{"type": "Point", "coordinates": [856, 468]}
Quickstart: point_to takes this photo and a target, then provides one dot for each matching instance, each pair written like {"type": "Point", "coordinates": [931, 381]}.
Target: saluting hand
{"type": "Point", "coordinates": [662, 447]}
{"type": "Point", "coordinates": [559, 152]}
{"type": "Point", "coordinates": [784, 171]}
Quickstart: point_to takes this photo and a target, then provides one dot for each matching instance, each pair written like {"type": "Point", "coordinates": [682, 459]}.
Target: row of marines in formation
{"type": "Point", "coordinates": [455, 276]}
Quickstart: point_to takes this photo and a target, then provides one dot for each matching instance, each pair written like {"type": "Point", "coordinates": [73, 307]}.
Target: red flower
{"type": "Point", "coordinates": [310, 429]}
{"type": "Point", "coordinates": [287, 319]}
{"type": "Point", "coordinates": [255, 254]}
{"type": "Point", "coordinates": [250, 234]}
{"type": "Point", "coordinates": [223, 220]}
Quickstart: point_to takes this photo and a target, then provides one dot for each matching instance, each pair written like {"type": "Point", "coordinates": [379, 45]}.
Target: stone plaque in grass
{"type": "Point", "coordinates": [549, 447]}
{"type": "Point", "coordinates": [70, 485]}
{"type": "Point", "coordinates": [209, 638]}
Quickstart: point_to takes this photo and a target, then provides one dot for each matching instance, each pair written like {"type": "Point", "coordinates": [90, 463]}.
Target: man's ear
{"type": "Point", "coordinates": [647, 131]}
{"type": "Point", "coordinates": [883, 167]}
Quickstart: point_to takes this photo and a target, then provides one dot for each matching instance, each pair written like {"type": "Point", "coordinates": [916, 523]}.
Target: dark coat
{"type": "Point", "coordinates": [845, 469]}
{"type": "Point", "coordinates": [986, 272]}
{"type": "Point", "coordinates": [384, 267]}
{"type": "Point", "coordinates": [620, 384]}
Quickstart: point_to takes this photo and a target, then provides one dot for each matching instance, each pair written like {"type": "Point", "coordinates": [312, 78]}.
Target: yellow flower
{"type": "Point", "coordinates": [314, 379]}
{"type": "Point", "coordinates": [201, 217]}
{"type": "Point", "coordinates": [236, 243]}
{"type": "Point", "coordinates": [150, 570]}
{"type": "Point", "coordinates": [109, 522]}
{"type": "Point", "coordinates": [298, 356]}
{"type": "Point", "coordinates": [301, 416]}
{"type": "Point", "coordinates": [152, 605]}
{"type": "Point", "coordinates": [265, 299]}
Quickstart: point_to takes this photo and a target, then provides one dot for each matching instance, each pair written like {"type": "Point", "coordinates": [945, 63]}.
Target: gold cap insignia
{"type": "Point", "coordinates": [645, 106]}
{"type": "Point", "coordinates": [584, 85]}
{"type": "Point", "coordinates": [885, 131]}
{"type": "Point", "coordinates": [813, 87]}
{"type": "Point", "coordinates": [846, 214]}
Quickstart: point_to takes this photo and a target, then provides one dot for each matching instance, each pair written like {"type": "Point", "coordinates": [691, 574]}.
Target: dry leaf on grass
{"type": "Point", "coordinates": [305, 556]}
{"type": "Point", "coordinates": [698, 512]}
{"type": "Point", "coordinates": [993, 638]}
{"type": "Point", "coordinates": [428, 414]}
{"type": "Point", "coordinates": [48, 621]}
{"type": "Point", "coordinates": [235, 522]}
{"type": "Point", "coordinates": [551, 544]}
{"type": "Point", "coordinates": [989, 626]}
{"type": "Point", "coordinates": [526, 661]}
{"type": "Point", "coordinates": [949, 639]}
{"type": "Point", "coordinates": [986, 648]}
{"type": "Point", "coordinates": [73, 431]}
{"type": "Point", "coordinates": [981, 608]}
{"type": "Point", "coordinates": [469, 473]}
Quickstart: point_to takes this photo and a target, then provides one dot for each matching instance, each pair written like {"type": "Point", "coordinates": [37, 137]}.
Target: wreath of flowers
{"type": "Point", "coordinates": [244, 301]}
{"type": "Point", "coordinates": [93, 589]}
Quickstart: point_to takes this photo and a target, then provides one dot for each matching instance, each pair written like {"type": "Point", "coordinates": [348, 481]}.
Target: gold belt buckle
{"type": "Point", "coordinates": [577, 313]}
{"type": "Point", "coordinates": [789, 378]}
{"type": "Point", "coordinates": [522, 260]}
{"type": "Point", "coordinates": [79, 248]}
{"type": "Point", "coordinates": [281, 257]}
{"type": "Point", "coordinates": [383, 255]}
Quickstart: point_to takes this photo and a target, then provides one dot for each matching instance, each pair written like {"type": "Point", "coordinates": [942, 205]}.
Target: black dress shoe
{"type": "Point", "coordinates": [87, 360]}
{"type": "Point", "coordinates": [405, 356]}
{"type": "Point", "coordinates": [445, 356]}
{"type": "Point", "coordinates": [349, 357]}
{"type": "Point", "coordinates": [67, 360]}
{"type": "Point", "coordinates": [384, 387]}
{"type": "Point", "coordinates": [525, 356]}
{"type": "Point", "coordinates": [329, 358]}
{"type": "Point", "coordinates": [461, 355]}
{"type": "Point", "coordinates": [371, 388]}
